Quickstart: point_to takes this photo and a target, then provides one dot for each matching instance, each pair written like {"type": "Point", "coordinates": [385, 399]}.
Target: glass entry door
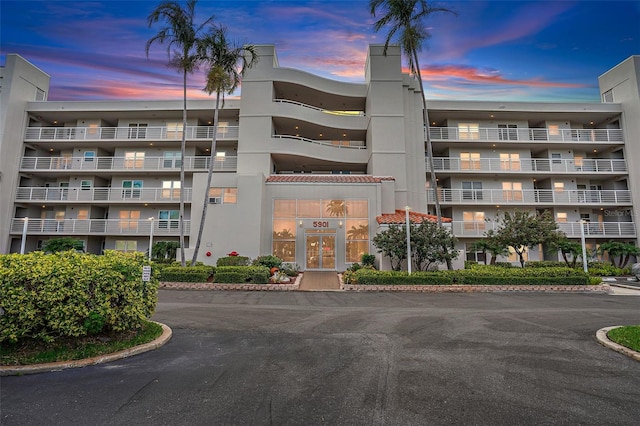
{"type": "Point", "coordinates": [320, 251]}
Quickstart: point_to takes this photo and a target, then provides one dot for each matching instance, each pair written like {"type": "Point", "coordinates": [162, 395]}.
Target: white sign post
{"type": "Point", "coordinates": [146, 273]}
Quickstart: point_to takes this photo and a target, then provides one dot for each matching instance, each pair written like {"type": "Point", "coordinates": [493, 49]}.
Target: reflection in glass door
{"type": "Point", "coordinates": [321, 251]}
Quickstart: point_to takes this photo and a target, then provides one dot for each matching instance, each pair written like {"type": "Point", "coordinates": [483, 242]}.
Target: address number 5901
{"type": "Point", "coordinates": [320, 224]}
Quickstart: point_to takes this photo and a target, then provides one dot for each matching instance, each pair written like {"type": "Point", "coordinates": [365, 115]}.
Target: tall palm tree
{"type": "Point", "coordinates": [227, 64]}
{"type": "Point", "coordinates": [180, 33]}
{"type": "Point", "coordinates": [406, 19]}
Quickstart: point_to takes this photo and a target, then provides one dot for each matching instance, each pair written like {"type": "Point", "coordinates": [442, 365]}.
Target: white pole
{"type": "Point", "coordinates": [584, 247]}
{"type": "Point", "coordinates": [150, 238]}
{"type": "Point", "coordinates": [23, 244]}
{"type": "Point", "coordinates": [406, 211]}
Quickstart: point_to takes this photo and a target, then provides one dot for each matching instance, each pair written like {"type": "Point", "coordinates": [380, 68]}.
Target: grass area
{"type": "Point", "coordinates": [628, 336]}
{"type": "Point", "coordinates": [68, 349]}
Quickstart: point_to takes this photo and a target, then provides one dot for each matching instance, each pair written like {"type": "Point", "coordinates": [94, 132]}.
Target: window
{"type": "Point", "coordinates": [89, 156]}
{"type": "Point", "coordinates": [474, 221]}
{"type": "Point", "coordinates": [472, 190]}
{"type": "Point", "coordinates": [171, 189]}
{"type": "Point", "coordinates": [41, 95]}
{"type": "Point", "coordinates": [223, 195]}
{"type": "Point", "coordinates": [137, 130]}
{"type": "Point", "coordinates": [309, 208]}
{"type": "Point", "coordinates": [558, 186]}
{"type": "Point", "coordinates": [168, 219]}
{"type": "Point", "coordinates": [126, 245]}
{"type": "Point", "coordinates": [470, 161]}
{"type": "Point", "coordinates": [131, 189]}
{"type": "Point", "coordinates": [171, 160]}
{"type": "Point", "coordinates": [554, 130]}
{"type": "Point", "coordinates": [556, 158]}
{"type": "Point", "coordinates": [585, 217]}
{"type": "Point", "coordinates": [512, 191]}
{"type": "Point", "coordinates": [83, 214]}
{"type": "Point", "coordinates": [129, 219]}
{"type": "Point", "coordinates": [473, 256]}
{"type": "Point", "coordinates": [469, 131]}
{"type": "Point", "coordinates": [92, 130]}
{"type": "Point", "coordinates": [284, 208]}
{"type": "Point", "coordinates": [578, 161]}
{"type": "Point", "coordinates": [357, 242]}
{"type": "Point", "coordinates": [508, 132]}
{"type": "Point", "coordinates": [85, 185]}
{"type": "Point", "coordinates": [134, 160]}
{"type": "Point", "coordinates": [509, 161]}
{"type": "Point", "coordinates": [607, 96]}
{"type": "Point", "coordinates": [561, 217]}
{"type": "Point", "coordinates": [174, 130]}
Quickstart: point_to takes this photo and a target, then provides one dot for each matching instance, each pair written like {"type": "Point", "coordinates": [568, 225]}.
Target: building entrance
{"type": "Point", "coordinates": [320, 249]}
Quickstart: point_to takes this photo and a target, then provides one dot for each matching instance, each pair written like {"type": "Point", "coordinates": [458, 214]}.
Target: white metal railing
{"type": "Point", "coordinates": [128, 133]}
{"type": "Point", "coordinates": [324, 110]}
{"type": "Point", "coordinates": [586, 165]}
{"type": "Point", "coordinates": [530, 196]}
{"type": "Point", "coordinates": [99, 226]}
{"type": "Point", "coordinates": [571, 229]}
{"type": "Point", "coordinates": [221, 164]}
{"type": "Point", "coordinates": [334, 144]}
{"type": "Point", "coordinates": [134, 195]}
{"type": "Point", "coordinates": [525, 134]}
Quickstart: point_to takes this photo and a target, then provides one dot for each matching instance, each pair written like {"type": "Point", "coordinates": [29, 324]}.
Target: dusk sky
{"type": "Point", "coordinates": [515, 50]}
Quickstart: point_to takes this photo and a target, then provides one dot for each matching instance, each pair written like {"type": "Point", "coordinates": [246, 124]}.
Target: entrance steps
{"type": "Point", "coordinates": [319, 281]}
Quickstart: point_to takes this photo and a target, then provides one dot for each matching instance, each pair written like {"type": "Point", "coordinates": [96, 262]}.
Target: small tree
{"type": "Point", "coordinates": [569, 250]}
{"type": "Point", "coordinates": [392, 243]}
{"type": "Point", "coordinates": [520, 230]}
{"type": "Point", "coordinates": [55, 245]}
{"type": "Point", "coordinates": [431, 244]}
{"type": "Point", "coordinates": [621, 251]}
{"type": "Point", "coordinates": [490, 245]}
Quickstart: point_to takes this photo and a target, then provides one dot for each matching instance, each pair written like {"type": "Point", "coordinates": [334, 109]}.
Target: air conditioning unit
{"type": "Point", "coordinates": [215, 200]}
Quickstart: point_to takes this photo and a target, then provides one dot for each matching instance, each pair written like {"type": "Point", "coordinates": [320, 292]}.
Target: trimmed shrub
{"type": "Point", "coordinates": [373, 277]}
{"type": "Point", "coordinates": [368, 260]}
{"type": "Point", "coordinates": [291, 269]}
{"type": "Point", "coordinates": [242, 274]}
{"type": "Point", "coordinates": [602, 269]}
{"type": "Point", "coordinates": [46, 296]}
{"type": "Point", "coordinates": [545, 264]}
{"type": "Point", "coordinates": [269, 261]}
{"type": "Point", "coordinates": [189, 274]}
{"type": "Point", "coordinates": [233, 261]}
{"type": "Point", "coordinates": [488, 275]}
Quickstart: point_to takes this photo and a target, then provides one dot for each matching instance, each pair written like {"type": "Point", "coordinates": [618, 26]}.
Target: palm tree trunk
{"type": "Point", "coordinates": [425, 117]}
{"type": "Point", "coordinates": [212, 158]}
{"type": "Point", "coordinates": [183, 144]}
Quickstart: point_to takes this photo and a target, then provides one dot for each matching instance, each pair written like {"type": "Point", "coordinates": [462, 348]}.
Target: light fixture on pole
{"type": "Point", "coordinates": [408, 222]}
{"type": "Point", "coordinates": [25, 226]}
{"type": "Point", "coordinates": [585, 267]}
{"type": "Point", "coordinates": [150, 238]}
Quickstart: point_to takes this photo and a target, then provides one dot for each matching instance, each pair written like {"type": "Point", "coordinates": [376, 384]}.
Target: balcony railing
{"type": "Point", "coordinates": [128, 133]}
{"type": "Point", "coordinates": [525, 165]}
{"type": "Point", "coordinates": [200, 163]}
{"type": "Point", "coordinates": [133, 195]}
{"type": "Point", "coordinates": [531, 196]}
{"type": "Point", "coordinates": [525, 134]}
{"type": "Point", "coordinates": [333, 144]}
{"type": "Point", "coordinates": [571, 229]}
{"type": "Point", "coordinates": [326, 111]}
{"type": "Point", "coordinates": [98, 226]}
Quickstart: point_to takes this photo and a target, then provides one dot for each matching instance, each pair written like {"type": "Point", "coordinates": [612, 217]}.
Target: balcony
{"type": "Point", "coordinates": [125, 227]}
{"type": "Point", "coordinates": [111, 195]}
{"type": "Point", "coordinates": [525, 135]}
{"type": "Point", "coordinates": [326, 111]}
{"type": "Point", "coordinates": [571, 229]}
{"type": "Point", "coordinates": [128, 133]}
{"type": "Point", "coordinates": [200, 163]}
{"type": "Point", "coordinates": [531, 197]}
{"type": "Point", "coordinates": [329, 143]}
{"type": "Point", "coordinates": [529, 165]}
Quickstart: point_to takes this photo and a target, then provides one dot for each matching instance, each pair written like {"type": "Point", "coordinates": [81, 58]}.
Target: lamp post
{"type": "Point", "coordinates": [23, 243]}
{"type": "Point", "coordinates": [406, 212]}
{"type": "Point", "coordinates": [150, 238]}
{"type": "Point", "coordinates": [584, 247]}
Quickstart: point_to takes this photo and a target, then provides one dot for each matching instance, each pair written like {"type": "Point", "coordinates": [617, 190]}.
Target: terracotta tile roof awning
{"type": "Point", "coordinates": [308, 178]}
{"type": "Point", "coordinates": [399, 218]}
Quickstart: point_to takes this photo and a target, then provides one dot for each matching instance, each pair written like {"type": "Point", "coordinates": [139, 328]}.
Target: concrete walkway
{"type": "Point", "coordinates": [319, 280]}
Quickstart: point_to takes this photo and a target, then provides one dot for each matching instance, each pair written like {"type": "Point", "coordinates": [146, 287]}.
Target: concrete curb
{"type": "Point", "coordinates": [601, 336]}
{"type": "Point", "coordinates": [10, 370]}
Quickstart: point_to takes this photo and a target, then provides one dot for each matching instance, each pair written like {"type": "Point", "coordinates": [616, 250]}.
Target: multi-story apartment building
{"type": "Point", "coordinates": [310, 169]}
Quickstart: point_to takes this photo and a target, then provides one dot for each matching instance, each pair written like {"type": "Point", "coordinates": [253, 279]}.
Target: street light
{"type": "Point", "coordinates": [584, 246]}
{"type": "Point", "coordinates": [23, 243]}
{"type": "Point", "coordinates": [150, 238]}
{"type": "Point", "coordinates": [406, 212]}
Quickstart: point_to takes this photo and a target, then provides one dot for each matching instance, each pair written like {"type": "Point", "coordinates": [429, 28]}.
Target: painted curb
{"type": "Point", "coordinates": [601, 336]}
{"type": "Point", "coordinates": [10, 370]}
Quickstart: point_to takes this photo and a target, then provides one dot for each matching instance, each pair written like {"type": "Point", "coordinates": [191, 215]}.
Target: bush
{"type": "Point", "coordinates": [372, 277]}
{"type": "Point", "coordinates": [69, 294]}
{"type": "Point", "coordinates": [602, 269]}
{"type": "Point", "coordinates": [503, 264]}
{"type": "Point", "coordinates": [242, 274]}
{"type": "Point", "coordinates": [55, 245]}
{"type": "Point", "coordinates": [545, 264]}
{"type": "Point", "coordinates": [189, 274]}
{"type": "Point", "coordinates": [291, 269]}
{"type": "Point", "coordinates": [468, 264]}
{"type": "Point", "coordinates": [269, 261]}
{"type": "Point", "coordinates": [488, 275]}
{"type": "Point", "coordinates": [368, 260]}
{"type": "Point", "coordinates": [233, 261]}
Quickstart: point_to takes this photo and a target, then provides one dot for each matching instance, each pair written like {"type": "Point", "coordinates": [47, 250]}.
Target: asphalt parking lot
{"type": "Point", "coordinates": [253, 358]}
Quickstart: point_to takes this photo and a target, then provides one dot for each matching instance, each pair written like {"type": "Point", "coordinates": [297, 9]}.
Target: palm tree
{"type": "Point", "coordinates": [180, 34]}
{"type": "Point", "coordinates": [405, 18]}
{"type": "Point", "coordinates": [226, 65]}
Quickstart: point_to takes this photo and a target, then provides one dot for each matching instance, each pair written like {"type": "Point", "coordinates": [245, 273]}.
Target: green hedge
{"type": "Point", "coordinates": [46, 296]}
{"type": "Point", "coordinates": [371, 277]}
{"type": "Point", "coordinates": [233, 261]}
{"type": "Point", "coordinates": [241, 274]}
{"type": "Point", "coordinates": [188, 274]}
